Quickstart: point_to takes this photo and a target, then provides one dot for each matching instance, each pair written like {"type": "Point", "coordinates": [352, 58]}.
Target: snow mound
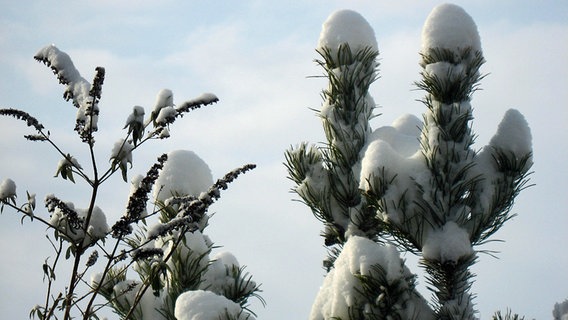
{"type": "Point", "coordinates": [7, 190]}
{"type": "Point", "coordinates": [347, 26]}
{"type": "Point", "coordinates": [185, 173]}
{"type": "Point", "coordinates": [513, 134]}
{"type": "Point", "coordinates": [206, 305]}
{"type": "Point", "coordinates": [340, 289]}
{"type": "Point", "coordinates": [448, 26]}
{"type": "Point", "coordinates": [448, 243]}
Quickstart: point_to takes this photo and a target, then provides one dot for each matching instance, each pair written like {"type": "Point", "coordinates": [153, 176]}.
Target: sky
{"type": "Point", "coordinates": [257, 57]}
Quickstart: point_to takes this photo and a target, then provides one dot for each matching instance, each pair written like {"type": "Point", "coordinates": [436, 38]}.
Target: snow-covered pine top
{"type": "Point", "coordinates": [347, 26]}
{"type": "Point", "coordinates": [448, 26]}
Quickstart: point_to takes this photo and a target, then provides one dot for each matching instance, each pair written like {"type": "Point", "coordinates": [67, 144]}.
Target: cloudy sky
{"type": "Point", "coordinates": [257, 57]}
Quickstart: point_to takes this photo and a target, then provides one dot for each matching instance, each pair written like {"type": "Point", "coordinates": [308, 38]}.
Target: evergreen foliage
{"type": "Point", "coordinates": [438, 203]}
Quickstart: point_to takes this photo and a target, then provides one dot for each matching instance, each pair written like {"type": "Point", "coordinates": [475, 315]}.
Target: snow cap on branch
{"type": "Point", "coordinates": [185, 173]}
{"type": "Point", "coordinates": [341, 289]}
{"type": "Point", "coordinates": [8, 190]}
{"type": "Point", "coordinates": [513, 134]}
{"type": "Point", "coordinates": [206, 305]}
{"type": "Point", "coordinates": [347, 26]}
{"type": "Point", "coordinates": [449, 243]}
{"type": "Point", "coordinates": [449, 27]}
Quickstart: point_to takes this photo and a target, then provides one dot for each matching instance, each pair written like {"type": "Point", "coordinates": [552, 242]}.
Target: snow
{"type": "Point", "coordinates": [137, 116]}
{"type": "Point", "coordinates": [77, 87]}
{"type": "Point", "coordinates": [206, 305]}
{"type": "Point", "coordinates": [122, 152]}
{"type": "Point", "coordinates": [448, 26]}
{"type": "Point", "coordinates": [445, 70]}
{"type": "Point", "coordinates": [204, 98]}
{"type": "Point", "coordinates": [448, 243]}
{"type": "Point", "coordinates": [164, 98]}
{"type": "Point", "coordinates": [396, 150]}
{"type": "Point", "coordinates": [217, 277]}
{"type": "Point", "coordinates": [166, 115]}
{"type": "Point", "coordinates": [340, 287]}
{"type": "Point", "coordinates": [347, 26]}
{"type": "Point", "coordinates": [97, 229]}
{"type": "Point", "coordinates": [185, 173]}
{"type": "Point", "coordinates": [7, 190]}
{"type": "Point", "coordinates": [402, 135]}
{"type": "Point", "coordinates": [513, 134]}
{"type": "Point", "coordinates": [125, 293]}
{"type": "Point", "coordinates": [66, 162]}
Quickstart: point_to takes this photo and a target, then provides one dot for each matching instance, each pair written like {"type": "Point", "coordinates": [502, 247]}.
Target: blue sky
{"type": "Point", "coordinates": [256, 56]}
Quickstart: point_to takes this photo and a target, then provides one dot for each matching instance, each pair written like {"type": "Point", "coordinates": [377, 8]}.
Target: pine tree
{"type": "Point", "coordinates": [438, 200]}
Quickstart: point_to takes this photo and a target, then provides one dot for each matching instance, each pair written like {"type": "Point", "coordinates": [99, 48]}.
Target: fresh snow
{"type": "Point", "coordinates": [347, 26]}
{"type": "Point", "coordinates": [137, 116]}
{"type": "Point", "coordinates": [448, 26]}
{"type": "Point", "coordinates": [125, 293]}
{"type": "Point", "coordinates": [166, 115]}
{"type": "Point", "coordinates": [7, 190]}
{"type": "Point", "coordinates": [448, 243]}
{"type": "Point", "coordinates": [77, 87]}
{"type": "Point", "coordinates": [185, 173]}
{"type": "Point", "coordinates": [513, 134]}
{"type": "Point", "coordinates": [206, 305]}
{"type": "Point", "coordinates": [340, 289]}
{"type": "Point", "coordinates": [218, 277]}
{"type": "Point", "coordinates": [97, 229]}
{"type": "Point", "coordinates": [122, 152]}
{"type": "Point", "coordinates": [396, 150]}
{"type": "Point", "coordinates": [164, 98]}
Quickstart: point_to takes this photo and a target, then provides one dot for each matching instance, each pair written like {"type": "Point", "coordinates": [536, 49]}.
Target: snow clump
{"type": "Point", "coordinates": [513, 135]}
{"type": "Point", "coordinates": [78, 88]}
{"type": "Point", "coordinates": [448, 243]}
{"type": "Point", "coordinates": [347, 26]}
{"type": "Point", "coordinates": [7, 190]}
{"type": "Point", "coordinates": [341, 289]}
{"type": "Point", "coordinates": [449, 27]}
{"type": "Point", "coordinates": [185, 173]}
{"type": "Point", "coordinates": [206, 305]}
{"type": "Point", "coordinates": [97, 229]}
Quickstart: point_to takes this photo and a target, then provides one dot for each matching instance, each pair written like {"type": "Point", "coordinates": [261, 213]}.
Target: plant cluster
{"type": "Point", "coordinates": [164, 246]}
